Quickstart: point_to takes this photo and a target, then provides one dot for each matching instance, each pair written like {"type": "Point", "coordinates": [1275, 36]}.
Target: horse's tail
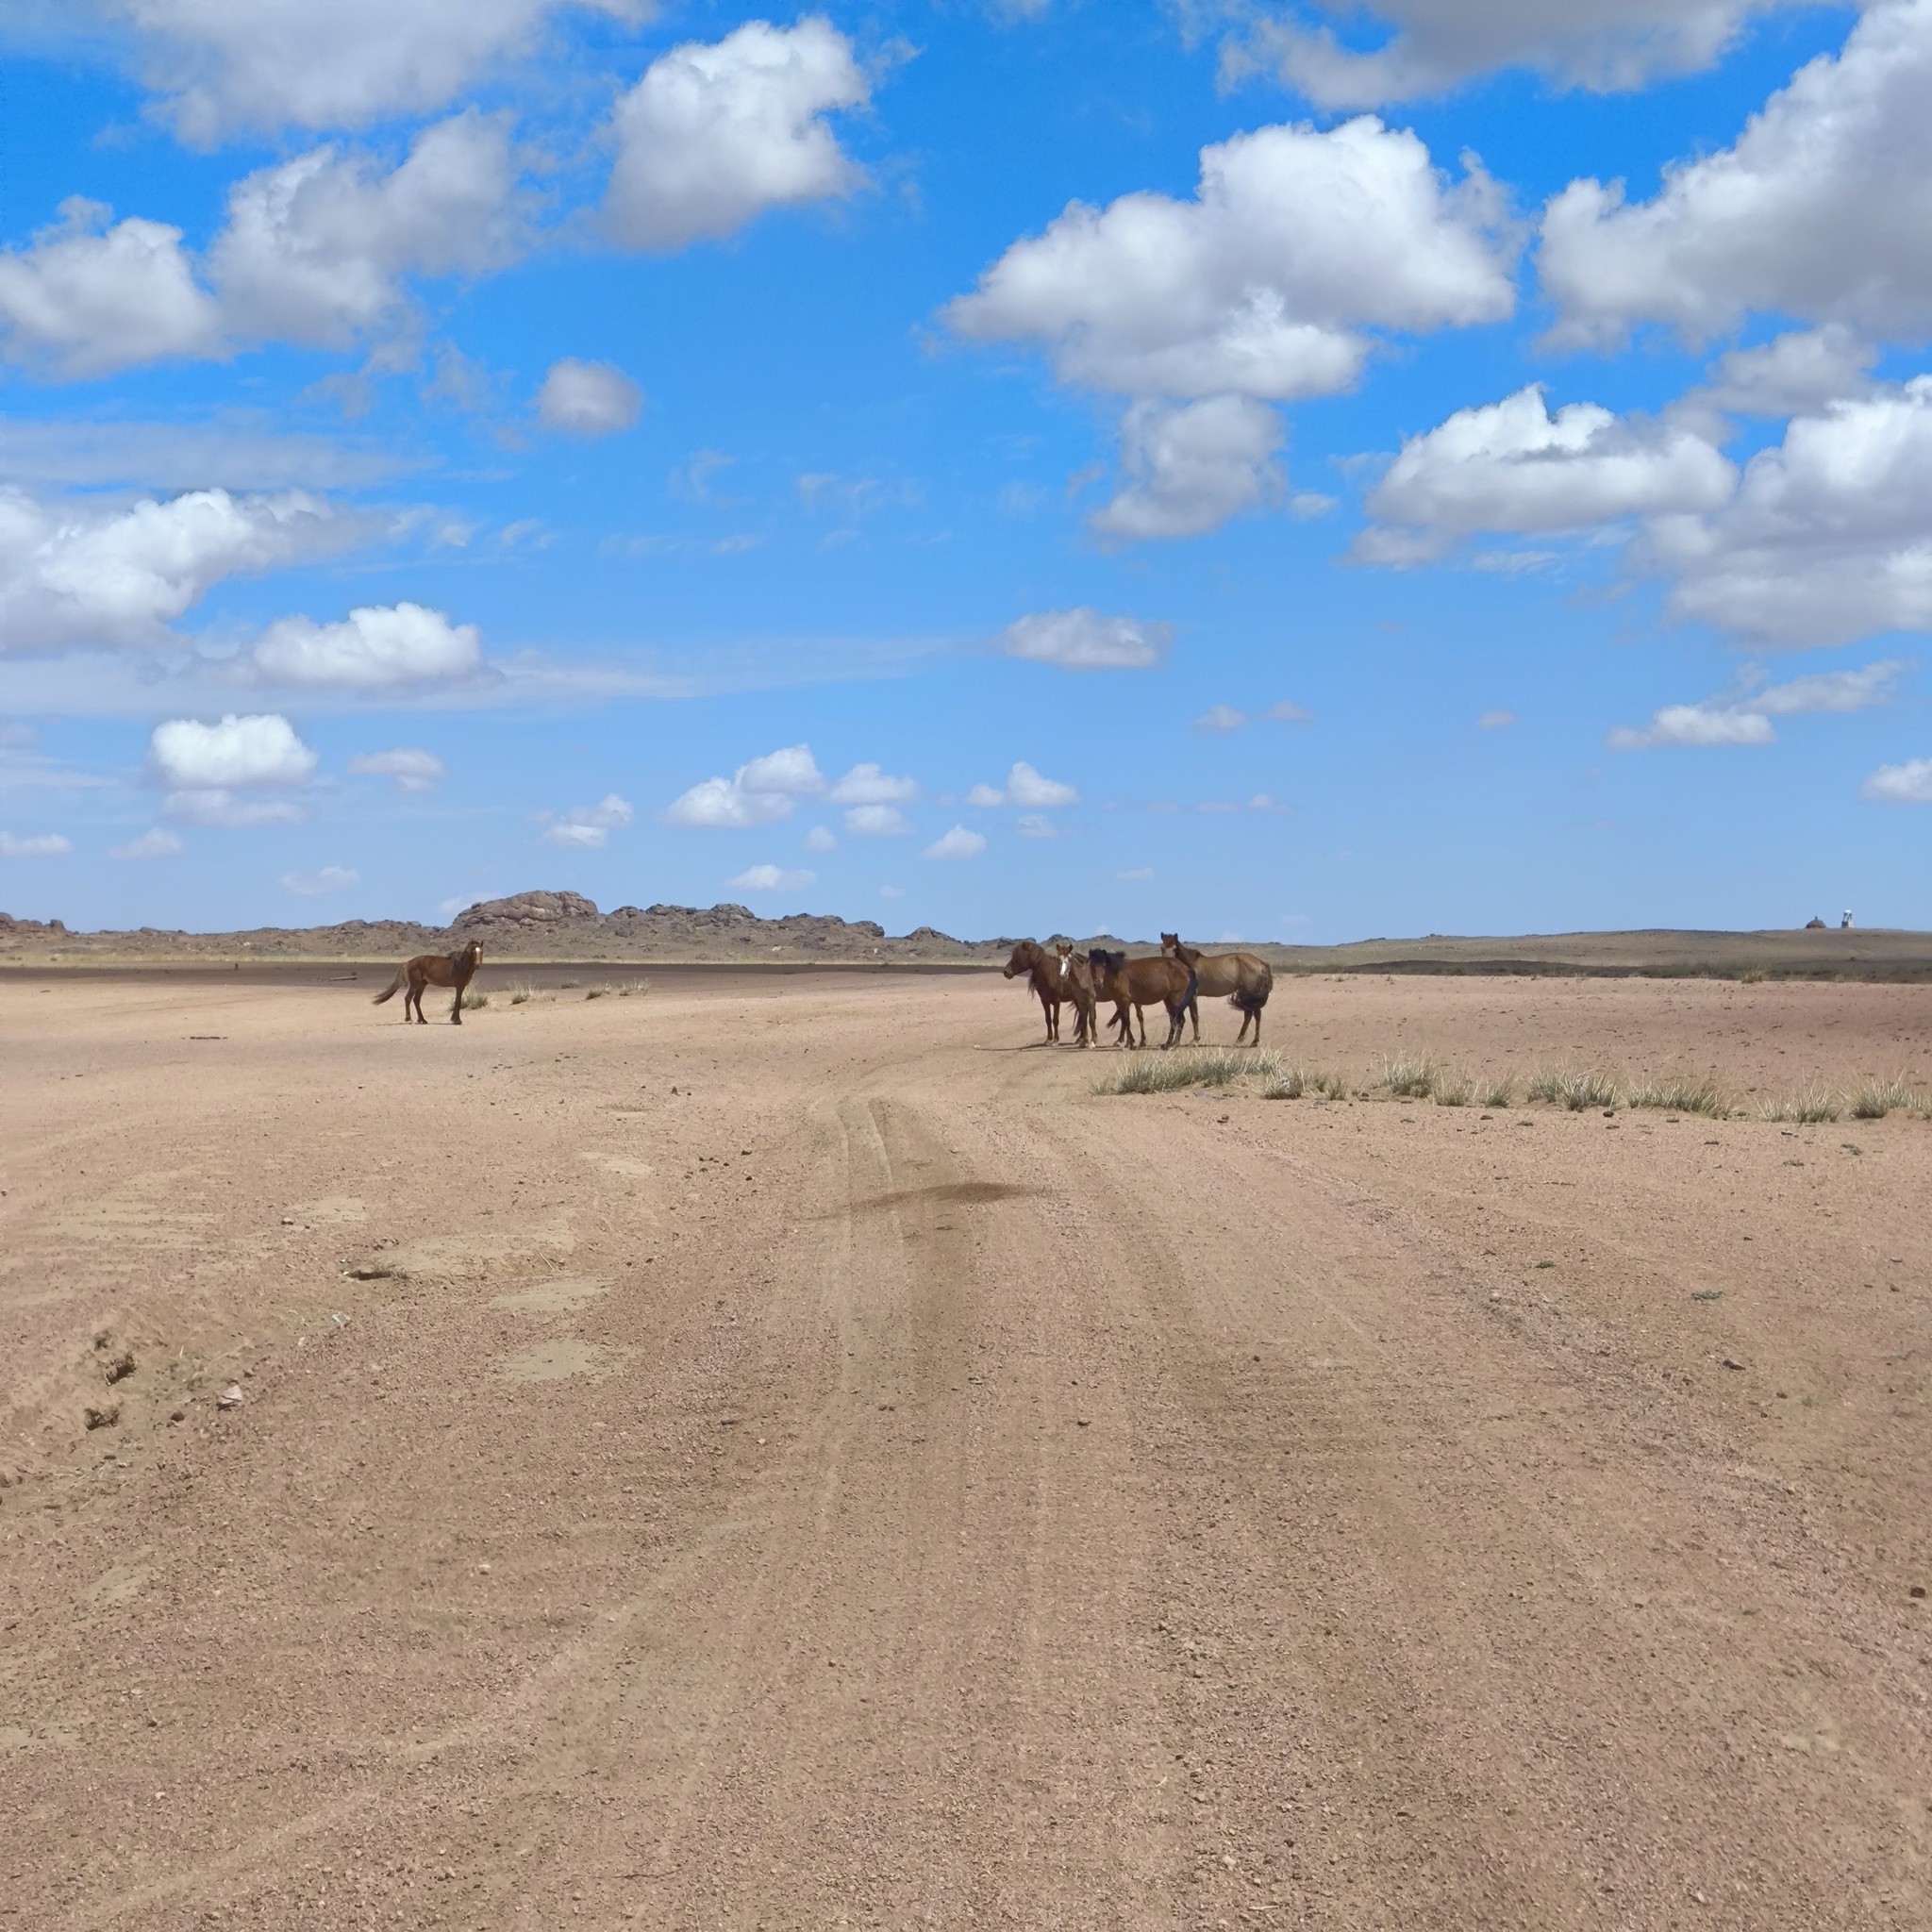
{"type": "Point", "coordinates": [1251, 995]}
{"type": "Point", "coordinates": [395, 986]}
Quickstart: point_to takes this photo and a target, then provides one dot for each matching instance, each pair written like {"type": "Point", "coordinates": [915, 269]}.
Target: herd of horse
{"type": "Point", "coordinates": [1175, 979]}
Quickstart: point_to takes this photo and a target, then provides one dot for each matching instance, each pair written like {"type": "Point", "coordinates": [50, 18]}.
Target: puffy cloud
{"type": "Point", "coordinates": [1025, 786]}
{"type": "Point", "coordinates": [1822, 209]}
{"type": "Point", "coordinates": [1600, 45]}
{"type": "Point", "coordinates": [1513, 466]}
{"type": "Point", "coordinates": [218, 807]}
{"type": "Point", "coordinates": [1083, 639]}
{"type": "Point", "coordinates": [1221, 718]}
{"type": "Point", "coordinates": [772, 879]}
{"type": "Point", "coordinates": [1747, 720]}
{"type": "Point", "coordinates": [867, 785]}
{"type": "Point", "coordinates": [878, 821]}
{"type": "Point", "coordinates": [376, 647]}
{"type": "Point", "coordinates": [1794, 374]}
{"type": "Point", "coordinates": [1829, 535]}
{"type": "Point", "coordinates": [714, 134]}
{"type": "Point", "coordinates": [1289, 712]}
{"type": "Point", "coordinates": [261, 750]}
{"type": "Point", "coordinates": [589, 398]}
{"type": "Point", "coordinates": [820, 839]}
{"type": "Point", "coordinates": [76, 574]}
{"type": "Point", "coordinates": [412, 769]}
{"type": "Point", "coordinates": [328, 878]}
{"type": "Point", "coordinates": [1258, 286]}
{"type": "Point", "coordinates": [232, 64]}
{"type": "Point", "coordinates": [156, 842]}
{"type": "Point", "coordinates": [1188, 469]}
{"type": "Point", "coordinates": [34, 845]}
{"type": "Point", "coordinates": [587, 827]}
{"type": "Point", "coordinates": [1907, 784]}
{"type": "Point", "coordinates": [758, 793]}
{"type": "Point", "coordinates": [315, 248]}
{"type": "Point", "coordinates": [957, 843]}
{"type": "Point", "coordinates": [85, 299]}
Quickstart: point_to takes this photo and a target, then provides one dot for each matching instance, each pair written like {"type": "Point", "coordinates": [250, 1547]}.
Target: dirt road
{"type": "Point", "coordinates": [777, 1455]}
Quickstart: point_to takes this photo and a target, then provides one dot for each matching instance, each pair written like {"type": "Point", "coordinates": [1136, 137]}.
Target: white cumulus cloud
{"type": "Point", "coordinates": [1187, 469]}
{"type": "Point", "coordinates": [758, 793]}
{"type": "Point", "coordinates": [328, 878]}
{"type": "Point", "coordinates": [589, 398]}
{"type": "Point", "coordinates": [33, 845]}
{"type": "Point", "coordinates": [772, 879]}
{"type": "Point", "coordinates": [1601, 44]}
{"type": "Point", "coordinates": [957, 844]}
{"type": "Point", "coordinates": [1513, 466]}
{"type": "Point", "coordinates": [374, 648]}
{"type": "Point", "coordinates": [77, 574]}
{"type": "Point", "coordinates": [587, 827]}
{"type": "Point", "coordinates": [231, 65]}
{"type": "Point", "coordinates": [1221, 718]}
{"type": "Point", "coordinates": [1820, 209]}
{"type": "Point", "coordinates": [1084, 640]}
{"type": "Point", "coordinates": [1259, 286]}
{"type": "Point", "coordinates": [216, 805]}
{"type": "Point", "coordinates": [1746, 720]}
{"type": "Point", "coordinates": [820, 839]}
{"type": "Point", "coordinates": [410, 769]}
{"type": "Point", "coordinates": [238, 752]}
{"type": "Point", "coordinates": [156, 842]}
{"type": "Point", "coordinates": [867, 785]}
{"type": "Point", "coordinates": [1907, 784]}
{"type": "Point", "coordinates": [878, 821]}
{"type": "Point", "coordinates": [714, 134]}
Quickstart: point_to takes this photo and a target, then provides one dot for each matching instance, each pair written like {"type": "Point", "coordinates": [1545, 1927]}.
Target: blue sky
{"type": "Point", "coordinates": [1210, 465]}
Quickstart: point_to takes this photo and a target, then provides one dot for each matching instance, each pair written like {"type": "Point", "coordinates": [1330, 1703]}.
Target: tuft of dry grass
{"type": "Point", "coordinates": [1683, 1093]}
{"type": "Point", "coordinates": [1575, 1089]}
{"type": "Point", "coordinates": [570, 985]}
{"type": "Point", "coordinates": [633, 986]}
{"type": "Point", "coordinates": [1500, 1091]}
{"type": "Point", "coordinates": [1412, 1076]}
{"type": "Point", "coordinates": [1871, 1100]}
{"type": "Point", "coordinates": [521, 992]}
{"type": "Point", "coordinates": [1205, 1066]}
{"type": "Point", "coordinates": [1454, 1090]}
{"type": "Point", "coordinates": [1753, 976]}
{"type": "Point", "coordinates": [602, 990]}
{"type": "Point", "coordinates": [1808, 1106]}
{"type": "Point", "coordinates": [475, 1002]}
{"type": "Point", "coordinates": [1291, 1085]}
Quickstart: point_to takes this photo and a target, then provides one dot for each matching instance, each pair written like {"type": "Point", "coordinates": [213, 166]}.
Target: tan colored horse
{"type": "Point", "coordinates": [1140, 984]}
{"type": "Point", "coordinates": [1076, 984]}
{"type": "Point", "coordinates": [1244, 979]}
{"type": "Point", "coordinates": [433, 969]}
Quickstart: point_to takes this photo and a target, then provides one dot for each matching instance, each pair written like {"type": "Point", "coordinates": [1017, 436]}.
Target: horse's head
{"type": "Point", "coordinates": [1025, 957]}
{"type": "Point", "coordinates": [1066, 959]}
{"type": "Point", "coordinates": [1170, 943]}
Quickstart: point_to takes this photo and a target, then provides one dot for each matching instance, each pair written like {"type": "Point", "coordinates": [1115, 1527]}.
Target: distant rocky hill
{"type": "Point", "coordinates": [529, 927]}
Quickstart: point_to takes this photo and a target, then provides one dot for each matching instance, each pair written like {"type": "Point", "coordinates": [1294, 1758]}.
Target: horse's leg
{"type": "Point", "coordinates": [419, 986]}
{"type": "Point", "coordinates": [455, 1005]}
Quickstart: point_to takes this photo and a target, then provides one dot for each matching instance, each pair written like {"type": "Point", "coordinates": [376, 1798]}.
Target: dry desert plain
{"type": "Point", "coordinates": [783, 1451]}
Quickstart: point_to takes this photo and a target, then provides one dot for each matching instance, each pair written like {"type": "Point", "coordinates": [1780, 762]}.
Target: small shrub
{"type": "Point", "coordinates": [1189, 1067]}
{"type": "Point", "coordinates": [1751, 976]}
{"type": "Point", "coordinates": [1873, 1099]}
{"type": "Point", "coordinates": [475, 1002]}
{"type": "Point", "coordinates": [1808, 1107]}
{"type": "Point", "coordinates": [1575, 1090]}
{"type": "Point", "coordinates": [633, 986]}
{"type": "Point", "coordinates": [1329, 1085]}
{"type": "Point", "coordinates": [1413, 1076]}
{"type": "Point", "coordinates": [1455, 1090]}
{"type": "Point", "coordinates": [570, 985]}
{"type": "Point", "coordinates": [1289, 1086]}
{"type": "Point", "coordinates": [1500, 1092]}
{"type": "Point", "coordinates": [598, 993]}
{"type": "Point", "coordinates": [521, 992]}
{"type": "Point", "coordinates": [1682, 1093]}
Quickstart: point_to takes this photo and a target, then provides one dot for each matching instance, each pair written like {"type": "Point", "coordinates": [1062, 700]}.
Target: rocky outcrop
{"type": "Point", "coordinates": [522, 915]}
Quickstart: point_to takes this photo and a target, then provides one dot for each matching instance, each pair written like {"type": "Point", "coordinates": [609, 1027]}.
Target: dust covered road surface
{"type": "Point", "coordinates": [881, 1483]}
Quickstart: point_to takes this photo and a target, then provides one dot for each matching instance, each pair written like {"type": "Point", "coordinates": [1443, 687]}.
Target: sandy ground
{"type": "Point", "coordinates": [781, 1455]}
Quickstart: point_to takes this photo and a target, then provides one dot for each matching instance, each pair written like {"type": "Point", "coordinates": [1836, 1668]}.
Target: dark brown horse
{"type": "Point", "coordinates": [1140, 984]}
{"type": "Point", "coordinates": [1043, 975]}
{"type": "Point", "coordinates": [433, 969]}
{"type": "Point", "coordinates": [1245, 980]}
{"type": "Point", "coordinates": [1076, 984]}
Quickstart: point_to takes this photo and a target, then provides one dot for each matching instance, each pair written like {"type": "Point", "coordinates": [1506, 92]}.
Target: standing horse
{"type": "Point", "coordinates": [1244, 978]}
{"type": "Point", "coordinates": [1138, 984]}
{"type": "Point", "coordinates": [1076, 984]}
{"type": "Point", "coordinates": [1042, 975]}
{"type": "Point", "coordinates": [433, 969]}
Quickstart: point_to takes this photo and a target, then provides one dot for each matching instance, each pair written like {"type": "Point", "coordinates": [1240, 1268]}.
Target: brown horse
{"type": "Point", "coordinates": [1076, 984]}
{"type": "Point", "coordinates": [1244, 978]}
{"type": "Point", "coordinates": [1042, 975]}
{"type": "Point", "coordinates": [1140, 984]}
{"type": "Point", "coordinates": [433, 969]}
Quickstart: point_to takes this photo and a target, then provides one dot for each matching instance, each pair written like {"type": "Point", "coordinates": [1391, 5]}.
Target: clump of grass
{"type": "Point", "coordinates": [569, 985]}
{"type": "Point", "coordinates": [1808, 1107]}
{"type": "Point", "coordinates": [475, 1002]}
{"type": "Point", "coordinates": [1871, 1100]}
{"type": "Point", "coordinates": [1454, 1090]}
{"type": "Point", "coordinates": [1576, 1091]}
{"type": "Point", "coordinates": [1289, 1086]}
{"type": "Point", "coordinates": [1682, 1093]}
{"type": "Point", "coordinates": [633, 986]}
{"type": "Point", "coordinates": [1329, 1085]}
{"type": "Point", "coordinates": [521, 992]}
{"type": "Point", "coordinates": [1189, 1067]}
{"type": "Point", "coordinates": [602, 991]}
{"type": "Point", "coordinates": [1500, 1091]}
{"type": "Point", "coordinates": [1411, 1075]}
{"type": "Point", "coordinates": [1753, 976]}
